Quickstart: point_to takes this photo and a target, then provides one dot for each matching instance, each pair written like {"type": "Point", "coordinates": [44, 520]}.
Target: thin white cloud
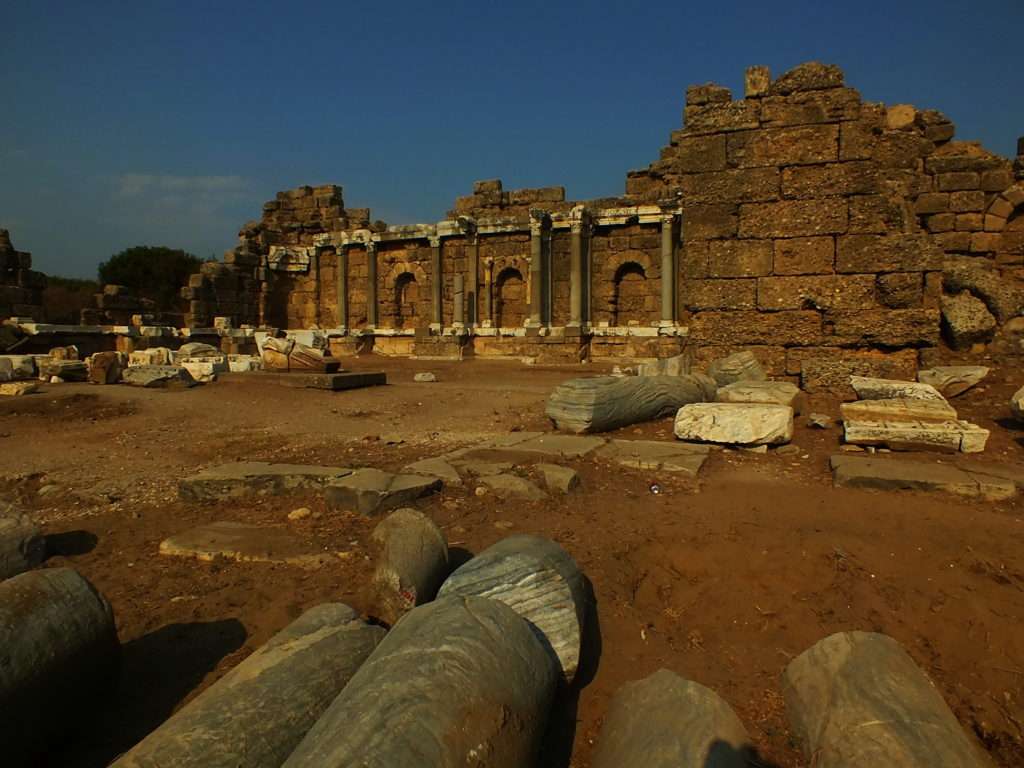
{"type": "Point", "coordinates": [140, 185]}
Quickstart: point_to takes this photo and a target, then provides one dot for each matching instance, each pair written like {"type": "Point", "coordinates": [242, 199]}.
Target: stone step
{"type": "Point", "coordinates": [890, 474]}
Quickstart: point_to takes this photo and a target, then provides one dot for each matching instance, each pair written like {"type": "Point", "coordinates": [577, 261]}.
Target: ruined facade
{"type": "Point", "coordinates": [799, 221]}
{"type": "Point", "coordinates": [21, 288]}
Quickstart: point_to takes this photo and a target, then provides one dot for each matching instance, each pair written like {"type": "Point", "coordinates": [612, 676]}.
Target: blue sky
{"type": "Point", "coordinates": [170, 123]}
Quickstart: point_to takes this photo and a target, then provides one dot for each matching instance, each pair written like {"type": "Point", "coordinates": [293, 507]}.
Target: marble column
{"type": "Point", "coordinates": [489, 290]}
{"type": "Point", "coordinates": [343, 286]}
{"type": "Point", "coordinates": [371, 284]}
{"type": "Point", "coordinates": [668, 270]}
{"type": "Point", "coordinates": [537, 271]}
{"type": "Point", "coordinates": [436, 284]}
{"type": "Point", "coordinates": [473, 263]}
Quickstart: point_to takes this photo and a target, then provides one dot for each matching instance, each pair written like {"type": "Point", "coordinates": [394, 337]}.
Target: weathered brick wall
{"type": "Point", "coordinates": [404, 285]}
{"type": "Point", "coordinates": [813, 220]}
{"type": "Point", "coordinates": [491, 201]}
{"type": "Point", "coordinates": [21, 288]}
{"type": "Point", "coordinates": [626, 274]}
{"type": "Point", "coordinates": [293, 219]}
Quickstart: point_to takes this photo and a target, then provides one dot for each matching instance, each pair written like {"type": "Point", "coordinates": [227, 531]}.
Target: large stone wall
{"type": "Point", "coordinates": [799, 221]}
{"type": "Point", "coordinates": [21, 288]}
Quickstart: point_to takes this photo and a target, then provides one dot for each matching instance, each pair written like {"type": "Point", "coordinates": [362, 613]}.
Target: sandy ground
{"type": "Point", "coordinates": [723, 580]}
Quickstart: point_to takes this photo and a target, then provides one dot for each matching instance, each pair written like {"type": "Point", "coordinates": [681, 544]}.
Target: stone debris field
{"type": "Point", "coordinates": [726, 471]}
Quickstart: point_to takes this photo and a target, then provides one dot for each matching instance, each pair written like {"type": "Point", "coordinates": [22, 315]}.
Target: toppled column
{"type": "Point", "coordinates": [259, 711]}
{"type": "Point", "coordinates": [411, 562]}
{"type": "Point", "coordinates": [604, 403]}
{"type": "Point", "coordinates": [457, 682]}
{"type": "Point", "coordinates": [22, 546]}
{"type": "Point", "coordinates": [664, 721]}
{"type": "Point", "coordinates": [59, 655]}
{"type": "Point", "coordinates": [540, 581]}
{"type": "Point", "coordinates": [857, 699]}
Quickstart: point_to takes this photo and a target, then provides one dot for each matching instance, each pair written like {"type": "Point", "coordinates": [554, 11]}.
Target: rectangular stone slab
{"type": "Point", "coordinates": [652, 454]}
{"type": "Point", "coordinates": [243, 543]}
{"type": "Point", "coordinates": [948, 436]}
{"type": "Point", "coordinates": [371, 491]}
{"type": "Point", "coordinates": [898, 409]}
{"type": "Point", "coordinates": [899, 475]}
{"type": "Point", "coordinates": [256, 478]}
{"type": "Point", "coordinates": [334, 382]}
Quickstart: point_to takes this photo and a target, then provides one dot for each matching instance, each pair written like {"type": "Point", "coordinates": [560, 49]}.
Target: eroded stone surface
{"type": "Point", "coordinates": [735, 423]}
{"type": "Point", "coordinates": [890, 474]}
{"type": "Point", "coordinates": [679, 457]}
{"type": "Point", "coordinates": [243, 543]}
{"type": "Point", "coordinates": [256, 478]}
{"type": "Point", "coordinates": [953, 380]}
{"type": "Point", "coordinates": [886, 389]}
{"type": "Point", "coordinates": [898, 409]}
{"type": "Point", "coordinates": [741, 366]}
{"type": "Point", "coordinates": [513, 486]}
{"type": "Point", "coordinates": [559, 479]}
{"type": "Point", "coordinates": [777, 392]}
{"type": "Point", "coordinates": [156, 376]}
{"type": "Point", "coordinates": [909, 435]}
{"type": "Point", "coordinates": [18, 388]}
{"type": "Point", "coordinates": [371, 491]}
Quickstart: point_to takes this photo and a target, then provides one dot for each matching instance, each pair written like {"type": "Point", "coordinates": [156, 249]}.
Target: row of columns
{"type": "Point", "coordinates": [539, 277]}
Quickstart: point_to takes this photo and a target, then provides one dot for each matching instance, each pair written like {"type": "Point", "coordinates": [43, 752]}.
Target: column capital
{"type": "Point", "coordinates": [539, 221]}
{"type": "Point", "coordinates": [435, 241]}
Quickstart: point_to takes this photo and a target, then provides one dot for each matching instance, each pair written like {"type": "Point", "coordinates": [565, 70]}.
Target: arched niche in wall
{"type": "Point", "coordinates": [509, 298]}
{"type": "Point", "coordinates": [629, 295]}
{"type": "Point", "coordinates": [628, 290]}
{"type": "Point", "coordinates": [1005, 216]}
{"type": "Point", "coordinates": [405, 287]}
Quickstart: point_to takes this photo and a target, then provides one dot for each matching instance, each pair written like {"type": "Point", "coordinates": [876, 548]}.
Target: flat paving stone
{"type": "Point", "coordinates": [531, 445]}
{"type": "Point", "coordinates": [435, 467]}
{"type": "Point", "coordinates": [334, 382]}
{"type": "Point", "coordinates": [256, 478]}
{"type": "Point", "coordinates": [953, 380]}
{"type": "Point", "coordinates": [905, 475]}
{"type": "Point", "coordinates": [243, 543]}
{"type": "Point", "coordinates": [507, 486]}
{"type": "Point", "coordinates": [654, 455]}
{"type": "Point", "coordinates": [372, 491]}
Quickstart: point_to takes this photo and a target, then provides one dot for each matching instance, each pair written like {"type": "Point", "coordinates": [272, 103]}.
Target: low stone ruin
{"type": "Point", "coordinates": [21, 289]}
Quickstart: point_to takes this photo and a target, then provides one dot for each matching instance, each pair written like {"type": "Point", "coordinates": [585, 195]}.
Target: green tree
{"type": "Point", "coordinates": [153, 272]}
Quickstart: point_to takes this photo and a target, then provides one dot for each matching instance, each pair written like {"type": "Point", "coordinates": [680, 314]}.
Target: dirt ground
{"type": "Point", "coordinates": [723, 580]}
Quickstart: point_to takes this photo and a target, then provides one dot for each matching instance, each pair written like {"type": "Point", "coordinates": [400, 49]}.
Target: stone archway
{"type": "Point", "coordinates": [406, 298]}
{"type": "Point", "coordinates": [629, 295]}
{"type": "Point", "coordinates": [509, 298]}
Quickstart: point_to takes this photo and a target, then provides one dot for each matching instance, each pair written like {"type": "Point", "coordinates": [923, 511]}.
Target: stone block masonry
{"type": "Point", "coordinates": [21, 289]}
{"type": "Point", "coordinates": [799, 217]}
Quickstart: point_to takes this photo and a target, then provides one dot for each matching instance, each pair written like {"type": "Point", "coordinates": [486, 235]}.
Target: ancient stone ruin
{"type": "Point", "coordinates": [21, 289]}
{"type": "Point", "coordinates": [799, 222]}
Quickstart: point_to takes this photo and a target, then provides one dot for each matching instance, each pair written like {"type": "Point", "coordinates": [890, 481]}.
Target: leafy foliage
{"type": "Point", "coordinates": [66, 297]}
{"type": "Point", "coordinates": [152, 272]}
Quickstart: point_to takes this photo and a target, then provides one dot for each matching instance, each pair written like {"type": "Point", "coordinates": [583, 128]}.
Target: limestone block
{"type": "Point", "coordinates": [204, 371]}
{"type": "Point", "coordinates": [1017, 404]}
{"type": "Point", "coordinates": [18, 388]}
{"type": "Point", "coordinates": [656, 455]}
{"type": "Point", "coordinates": [898, 409]}
{"type": "Point", "coordinates": [195, 349]}
{"type": "Point", "coordinates": [949, 436]}
{"type": "Point", "coordinates": [152, 356]}
{"type": "Point", "coordinates": [256, 478]}
{"type": "Point", "coordinates": [887, 474]}
{"type": "Point", "coordinates": [677, 365]}
{"type": "Point", "coordinates": [435, 467]}
{"type": "Point", "coordinates": [966, 321]}
{"type": "Point", "coordinates": [259, 711]}
{"type": "Point", "coordinates": [58, 636]}
{"type": "Point", "coordinates": [740, 366]}
{"type": "Point", "coordinates": [67, 370]}
{"type": "Point", "coordinates": [886, 389]}
{"type": "Point", "coordinates": [22, 545]}
{"type": "Point", "coordinates": [371, 491]}
{"type": "Point", "coordinates": [953, 380]}
{"type": "Point", "coordinates": [858, 699]}
{"type": "Point", "coordinates": [106, 367]}
{"type": "Point", "coordinates": [455, 682]}
{"type": "Point", "coordinates": [811, 76]}
{"type": "Point", "coordinates": [17, 367]}
{"type": "Point", "coordinates": [508, 486]}
{"type": "Point", "coordinates": [158, 376]}
{"type": "Point", "coordinates": [244, 363]}
{"type": "Point", "coordinates": [559, 479]}
{"type": "Point", "coordinates": [665, 721]}
{"type": "Point", "coordinates": [778, 392]}
{"type": "Point", "coordinates": [410, 554]}
{"type": "Point", "coordinates": [243, 543]}
{"type": "Point", "coordinates": [735, 423]}
{"type": "Point", "coordinates": [540, 581]}
{"type": "Point", "coordinates": [1004, 298]}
